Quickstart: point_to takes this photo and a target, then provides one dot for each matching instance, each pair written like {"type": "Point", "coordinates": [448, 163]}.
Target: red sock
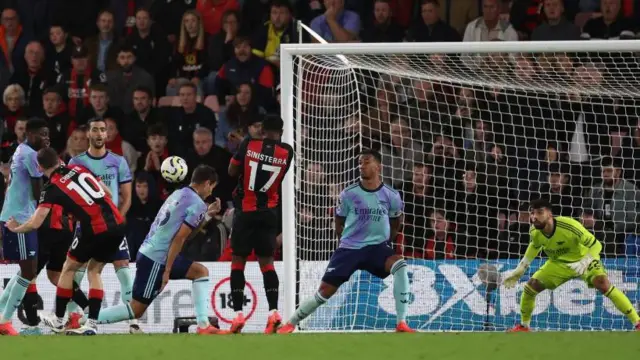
{"type": "Point", "coordinates": [32, 288]}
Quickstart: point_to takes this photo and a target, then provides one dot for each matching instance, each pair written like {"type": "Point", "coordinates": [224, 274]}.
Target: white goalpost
{"type": "Point", "coordinates": [469, 133]}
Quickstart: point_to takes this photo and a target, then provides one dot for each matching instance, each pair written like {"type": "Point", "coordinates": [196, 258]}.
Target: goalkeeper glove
{"type": "Point", "coordinates": [581, 265]}
{"type": "Point", "coordinates": [511, 280]}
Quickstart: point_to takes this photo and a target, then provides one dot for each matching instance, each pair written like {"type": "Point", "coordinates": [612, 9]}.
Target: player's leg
{"type": "Point", "coordinates": [265, 245]}
{"type": "Point", "coordinates": [596, 276]}
{"type": "Point", "coordinates": [123, 273]}
{"type": "Point", "coordinates": [184, 268]}
{"type": "Point", "coordinates": [241, 246]}
{"type": "Point", "coordinates": [24, 249]}
{"type": "Point", "coordinates": [343, 263]}
{"type": "Point", "coordinates": [64, 290]}
{"type": "Point", "coordinates": [396, 266]}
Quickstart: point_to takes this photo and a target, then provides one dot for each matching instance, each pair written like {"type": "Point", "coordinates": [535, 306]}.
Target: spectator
{"type": "Point", "coordinates": [35, 16]}
{"type": "Point", "coordinates": [205, 152]}
{"type": "Point", "coordinates": [169, 14]}
{"type": "Point", "coordinates": [152, 49]}
{"type": "Point", "coordinates": [245, 68]}
{"type": "Point", "coordinates": [513, 242]}
{"type": "Point", "coordinates": [33, 78]}
{"type": "Point", "coordinates": [123, 81]}
{"type": "Point", "coordinates": [430, 28]}
{"type": "Point", "coordinates": [77, 143]}
{"type": "Point", "coordinates": [337, 24]}
{"type": "Point", "coordinates": [14, 138]}
{"type": "Point", "coordinates": [151, 160]}
{"type": "Point", "coordinates": [13, 40]}
{"type": "Point", "coordinates": [220, 48]}
{"type": "Point", "coordinates": [13, 100]}
{"type": "Point", "coordinates": [525, 16]}
{"type": "Point", "coordinates": [557, 190]}
{"type": "Point", "coordinates": [418, 196]}
{"type": "Point", "coordinates": [186, 118]}
{"type": "Point", "coordinates": [482, 143]}
{"type": "Point", "coordinates": [57, 120]}
{"type": "Point", "coordinates": [440, 242]}
{"type": "Point", "coordinates": [144, 114]}
{"type": "Point", "coordinates": [103, 48]}
{"type": "Point", "coordinates": [611, 25]}
{"type": "Point", "coordinates": [458, 13]}
{"type": "Point", "coordinates": [74, 84]}
{"type": "Point", "coordinates": [239, 112]}
{"type": "Point", "coordinates": [212, 12]}
{"type": "Point", "coordinates": [307, 10]}
{"type": "Point", "coordinates": [100, 106]}
{"type": "Point", "coordinates": [383, 28]}
{"type": "Point", "coordinates": [489, 26]}
{"type": "Point", "coordinates": [189, 62]}
{"type": "Point", "coordinates": [82, 24]}
{"type": "Point", "coordinates": [255, 13]}
{"type": "Point", "coordinates": [116, 144]}
{"type": "Point", "coordinates": [58, 51]}
{"type": "Point", "coordinates": [124, 14]}
{"type": "Point", "coordinates": [612, 208]}
{"type": "Point", "coordinates": [280, 29]}
{"type": "Point", "coordinates": [145, 205]}
{"type": "Point", "coordinates": [400, 155]}
{"type": "Point", "coordinates": [555, 26]}
{"type": "Point", "coordinates": [251, 127]}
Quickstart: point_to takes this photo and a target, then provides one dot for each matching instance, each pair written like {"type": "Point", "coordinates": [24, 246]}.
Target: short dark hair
{"type": "Point", "coordinates": [434, 2]}
{"type": "Point", "coordinates": [157, 130]}
{"type": "Point", "coordinates": [51, 90]}
{"type": "Point", "coordinates": [35, 124]}
{"type": "Point", "coordinates": [376, 155]}
{"type": "Point", "coordinates": [48, 158]}
{"type": "Point", "coordinates": [272, 123]}
{"type": "Point", "coordinates": [281, 4]}
{"type": "Point", "coordinates": [540, 203]}
{"type": "Point", "coordinates": [235, 13]}
{"type": "Point", "coordinates": [609, 161]}
{"type": "Point", "coordinates": [189, 85]}
{"type": "Point", "coordinates": [241, 39]}
{"type": "Point", "coordinates": [145, 90]}
{"type": "Point", "coordinates": [204, 173]}
{"type": "Point", "coordinates": [96, 119]}
{"type": "Point", "coordinates": [98, 87]}
{"type": "Point", "coordinates": [126, 48]}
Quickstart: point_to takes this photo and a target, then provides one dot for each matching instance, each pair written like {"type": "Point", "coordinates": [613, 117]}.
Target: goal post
{"type": "Point", "coordinates": [425, 106]}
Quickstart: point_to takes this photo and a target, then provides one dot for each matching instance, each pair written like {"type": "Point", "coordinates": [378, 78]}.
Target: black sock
{"type": "Point", "coordinates": [95, 302]}
{"type": "Point", "coordinates": [79, 297]}
{"type": "Point", "coordinates": [271, 284]}
{"type": "Point", "coordinates": [237, 289]}
{"type": "Point", "coordinates": [30, 304]}
{"type": "Point", "coordinates": [62, 299]}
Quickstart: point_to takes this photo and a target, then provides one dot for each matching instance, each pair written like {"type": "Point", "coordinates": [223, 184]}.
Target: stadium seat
{"type": "Point", "coordinates": [166, 101]}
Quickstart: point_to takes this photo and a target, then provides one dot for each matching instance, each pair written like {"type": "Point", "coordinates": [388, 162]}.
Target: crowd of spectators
{"type": "Point", "coordinates": [194, 77]}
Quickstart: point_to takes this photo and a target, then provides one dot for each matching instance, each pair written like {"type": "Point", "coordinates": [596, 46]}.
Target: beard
{"type": "Point", "coordinates": [98, 144]}
{"type": "Point", "coordinates": [538, 225]}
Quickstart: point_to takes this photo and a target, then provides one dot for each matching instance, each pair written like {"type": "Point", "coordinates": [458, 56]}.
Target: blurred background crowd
{"type": "Point", "coordinates": [194, 77]}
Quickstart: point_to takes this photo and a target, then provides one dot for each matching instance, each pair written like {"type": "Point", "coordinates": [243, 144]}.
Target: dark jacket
{"type": "Point", "coordinates": [33, 86]}
{"type": "Point", "coordinates": [65, 86]}
{"type": "Point", "coordinates": [182, 126]}
{"type": "Point", "coordinates": [390, 32]}
{"type": "Point", "coordinates": [438, 32]}
{"type": "Point", "coordinates": [190, 64]}
{"type": "Point", "coordinates": [564, 30]}
{"type": "Point", "coordinates": [120, 10]}
{"type": "Point", "coordinates": [219, 52]}
{"type": "Point", "coordinates": [78, 16]}
{"type": "Point", "coordinates": [58, 130]}
{"type": "Point", "coordinates": [153, 53]}
{"type": "Point", "coordinates": [255, 71]}
{"type": "Point", "coordinates": [135, 130]}
{"type": "Point", "coordinates": [141, 215]}
{"type": "Point", "coordinates": [36, 16]}
{"type": "Point", "coordinates": [217, 158]}
{"type": "Point", "coordinates": [111, 113]}
{"type": "Point", "coordinates": [58, 62]}
{"type": "Point", "coordinates": [17, 55]}
{"type": "Point", "coordinates": [93, 45]}
{"type": "Point", "coordinates": [169, 14]}
{"type": "Point", "coordinates": [121, 86]}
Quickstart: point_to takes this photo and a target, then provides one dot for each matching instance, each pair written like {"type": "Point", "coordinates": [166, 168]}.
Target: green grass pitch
{"type": "Point", "coordinates": [354, 346]}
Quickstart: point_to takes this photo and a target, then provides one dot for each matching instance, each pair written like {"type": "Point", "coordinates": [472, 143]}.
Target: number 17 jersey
{"type": "Point", "coordinates": [78, 191]}
{"type": "Point", "coordinates": [263, 162]}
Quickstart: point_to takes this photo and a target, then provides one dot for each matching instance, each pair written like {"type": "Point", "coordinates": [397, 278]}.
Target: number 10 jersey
{"type": "Point", "coordinates": [78, 191]}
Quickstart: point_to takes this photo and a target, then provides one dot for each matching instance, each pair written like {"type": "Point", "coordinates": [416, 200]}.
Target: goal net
{"type": "Point", "coordinates": [469, 133]}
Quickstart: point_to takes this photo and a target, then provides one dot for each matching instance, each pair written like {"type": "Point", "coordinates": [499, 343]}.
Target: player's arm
{"type": "Point", "coordinates": [342, 210]}
{"type": "Point", "coordinates": [176, 247]}
{"type": "Point", "coordinates": [105, 188]}
{"type": "Point", "coordinates": [124, 181]}
{"type": "Point", "coordinates": [396, 207]}
{"type": "Point", "coordinates": [31, 164]}
{"type": "Point", "coordinates": [586, 239]}
{"type": "Point", "coordinates": [235, 165]}
{"type": "Point", "coordinates": [34, 222]}
{"type": "Point", "coordinates": [529, 255]}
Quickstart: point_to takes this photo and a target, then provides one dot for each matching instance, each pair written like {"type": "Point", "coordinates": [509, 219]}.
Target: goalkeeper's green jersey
{"type": "Point", "coordinates": [569, 242]}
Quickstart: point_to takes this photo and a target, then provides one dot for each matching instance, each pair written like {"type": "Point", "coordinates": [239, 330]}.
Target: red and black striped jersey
{"type": "Point", "coordinates": [264, 163]}
{"type": "Point", "coordinates": [77, 191]}
{"type": "Point", "coordinates": [59, 219]}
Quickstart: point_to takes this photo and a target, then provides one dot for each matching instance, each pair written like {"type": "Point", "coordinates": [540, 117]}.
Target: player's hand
{"type": "Point", "coordinates": [165, 280]}
{"type": "Point", "coordinates": [580, 267]}
{"type": "Point", "coordinates": [214, 208]}
{"type": "Point", "coordinates": [12, 224]}
{"type": "Point", "coordinates": [512, 279]}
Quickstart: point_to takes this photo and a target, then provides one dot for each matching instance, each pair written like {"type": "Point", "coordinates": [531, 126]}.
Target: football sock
{"type": "Point", "coordinates": [237, 286]}
{"type": "Point", "coordinates": [62, 299]}
{"type": "Point", "coordinates": [15, 298]}
{"type": "Point", "coordinates": [79, 297]}
{"type": "Point", "coordinates": [126, 283]}
{"type": "Point", "coordinates": [200, 289]}
{"type": "Point", "coordinates": [5, 293]}
{"type": "Point", "coordinates": [30, 304]}
{"type": "Point", "coordinates": [622, 303]}
{"type": "Point", "coordinates": [307, 308]}
{"type": "Point", "coordinates": [73, 306]}
{"type": "Point", "coordinates": [527, 303]}
{"type": "Point", "coordinates": [95, 302]}
{"type": "Point", "coordinates": [401, 288]}
{"type": "Point", "coordinates": [271, 285]}
{"type": "Point", "coordinates": [114, 314]}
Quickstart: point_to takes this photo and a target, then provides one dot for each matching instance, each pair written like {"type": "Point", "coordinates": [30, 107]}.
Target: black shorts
{"type": "Point", "coordinates": [102, 247]}
{"type": "Point", "coordinates": [255, 230]}
{"type": "Point", "coordinates": [53, 245]}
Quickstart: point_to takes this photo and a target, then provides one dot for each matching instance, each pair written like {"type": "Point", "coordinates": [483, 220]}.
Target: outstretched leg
{"type": "Point", "coordinates": [618, 298]}
{"type": "Point", "coordinates": [527, 303]}
{"type": "Point", "coordinates": [397, 266]}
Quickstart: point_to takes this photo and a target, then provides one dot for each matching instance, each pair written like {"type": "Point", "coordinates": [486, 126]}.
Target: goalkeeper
{"type": "Point", "coordinates": [573, 252]}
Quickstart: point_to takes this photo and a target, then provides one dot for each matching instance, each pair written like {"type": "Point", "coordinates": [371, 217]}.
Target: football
{"type": "Point", "coordinates": [174, 169]}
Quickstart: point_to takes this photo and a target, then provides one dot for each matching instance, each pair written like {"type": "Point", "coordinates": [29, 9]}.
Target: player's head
{"type": "Point", "coordinates": [37, 133]}
{"type": "Point", "coordinates": [540, 212]}
{"type": "Point", "coordinates": [272, 126]}
{"type": "Point", "coordinates": [370, 164]}
{"type": "Point", "coordinates": [204, 179]}
{"type": "Point", "coordinates": [611, 171]}
{"type": "Point", "coordinates": [48, 159]}
{"type": "Point", "coordinates": [97, 133]}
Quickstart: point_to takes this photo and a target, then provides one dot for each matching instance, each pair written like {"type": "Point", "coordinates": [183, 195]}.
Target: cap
{"type": "Point", "coordinates": [79, 52]}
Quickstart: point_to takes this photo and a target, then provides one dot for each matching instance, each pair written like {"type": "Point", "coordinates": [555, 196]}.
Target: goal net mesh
{"type": "Point", "coordinates": [468, 141]}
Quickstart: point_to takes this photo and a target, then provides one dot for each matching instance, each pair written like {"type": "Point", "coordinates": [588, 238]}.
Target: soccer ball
{"type": "Point", "coordinates": [174, 169]}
